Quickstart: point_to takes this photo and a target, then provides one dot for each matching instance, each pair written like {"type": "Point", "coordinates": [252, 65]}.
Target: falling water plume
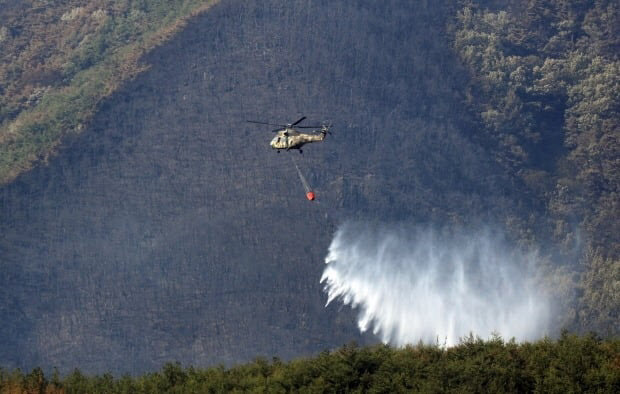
{"type": "Point", "coordinates": [415, 284]}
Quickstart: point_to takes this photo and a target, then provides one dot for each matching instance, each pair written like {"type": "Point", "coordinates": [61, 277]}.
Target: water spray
{"type": "Point", "coordinates": [412, 285]}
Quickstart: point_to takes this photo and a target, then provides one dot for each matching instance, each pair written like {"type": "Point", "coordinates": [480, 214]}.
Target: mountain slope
{"type": "Point", "coordinates": [169, 229]}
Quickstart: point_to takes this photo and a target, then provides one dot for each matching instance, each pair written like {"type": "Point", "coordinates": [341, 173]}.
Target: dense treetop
{"type": "Point", "coordinates": [570, 364]}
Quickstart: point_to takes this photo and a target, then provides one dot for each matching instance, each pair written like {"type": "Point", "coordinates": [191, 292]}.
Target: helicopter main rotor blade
{"type": "Point", "coordinates": [270, 124]}
{"type": "Point", "coordinates": [293, 124]}
{"type": "Point", "coordinates": [308, 127]}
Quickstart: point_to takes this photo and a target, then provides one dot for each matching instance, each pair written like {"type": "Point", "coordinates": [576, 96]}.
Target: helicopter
{"type": "Point", "coordinates": [289, 138]}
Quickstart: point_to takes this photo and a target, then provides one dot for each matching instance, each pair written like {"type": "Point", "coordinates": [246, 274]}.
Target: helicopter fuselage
{"type": "Point", "coordinates": [292, 139]}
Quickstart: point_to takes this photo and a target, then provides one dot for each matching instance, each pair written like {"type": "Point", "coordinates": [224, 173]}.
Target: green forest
{"type": "Point", "coordinates": [544, 88]}
{"type": "Point", "coordinates": [571, 364]}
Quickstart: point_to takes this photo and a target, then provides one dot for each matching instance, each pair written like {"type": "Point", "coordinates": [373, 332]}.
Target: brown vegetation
{"type": "Point", "coordinates": [59, 61]}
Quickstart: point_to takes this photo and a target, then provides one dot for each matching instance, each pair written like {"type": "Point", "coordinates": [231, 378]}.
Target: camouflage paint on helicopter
{"type": "Point", "coordinates": [288, 138]}
{"type": "Point", "coordinates": [293, 139]}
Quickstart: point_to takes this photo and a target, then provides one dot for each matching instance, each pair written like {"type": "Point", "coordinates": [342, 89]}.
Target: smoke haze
{"type": "Point", "coordinates": [412, 284]}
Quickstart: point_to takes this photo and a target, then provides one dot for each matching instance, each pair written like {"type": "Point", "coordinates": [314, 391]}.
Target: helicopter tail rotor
{"type": "Point", "coordinates": [325, 128]}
